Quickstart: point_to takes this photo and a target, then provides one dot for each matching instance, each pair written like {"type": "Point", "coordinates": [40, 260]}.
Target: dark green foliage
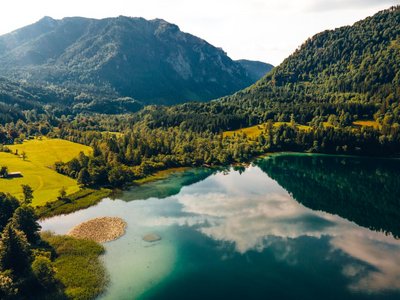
{"type": "Point", "coordinates": [83, 176]}
{"type": "Point", "coordinates": [24, 219]}
{"type": "Point", "coordinates": [30, 268]}
{"type": "Point", "coordinates": [19, 242]}
{"type": "Point", "coordinates": [15, 252]}
{"type": "Point", "coordinates": [8, 288]}
{"type": "Point", "coordinates": [43, 270]}
{"type": "Point", "coordinates": [8, 205]}
{"type": "Point", "coordinates": [3, 171]}
{"type": "Point", "coordinates": [28, 194]}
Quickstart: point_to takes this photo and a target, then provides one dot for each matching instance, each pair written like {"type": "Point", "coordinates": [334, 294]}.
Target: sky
{"type": "Point", "coordinates": [265, 30]}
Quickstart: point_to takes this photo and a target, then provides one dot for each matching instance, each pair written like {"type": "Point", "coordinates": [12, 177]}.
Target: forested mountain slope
{"type": "Point", "coordinates": [352, 72]}
{"type": "Point", "coordinates": [150, 61]}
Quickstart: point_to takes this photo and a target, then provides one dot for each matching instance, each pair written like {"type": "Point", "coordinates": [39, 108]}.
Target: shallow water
{"type": "Point", "coordinates": [287, 227]}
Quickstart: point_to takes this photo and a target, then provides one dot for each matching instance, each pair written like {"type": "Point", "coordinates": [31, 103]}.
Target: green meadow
{"type": "Point", "coordinates": [37, 169]}
{"type": "Point", "coordinates": [254, 131]}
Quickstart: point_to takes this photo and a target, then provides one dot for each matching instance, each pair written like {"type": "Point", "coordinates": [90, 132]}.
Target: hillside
{"type": "Point", "coordinates": [352, 72]}
{"type": "Point", "coordinates": [150, 61]}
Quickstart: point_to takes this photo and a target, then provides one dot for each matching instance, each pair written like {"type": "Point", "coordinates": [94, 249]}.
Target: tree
{"type": "Point", "coordinates": [8, 205]}
{"type": "Point", "coordinates": [25, 220]}
{"type": "Point", "coordinates": [44, 272]}
{"type": "Point", "coordinates": [84, 177]}
{"type": "Point", "coordinates": [15, 254]}
{"type": "Point", "coordinates": [23, 155]}
{"type": "Point", "coordinates": [4, 171]}
{"type": "Point", "coordinates": [28, 194]}
{"type": "Point", "coordinates": [119, 175]}
{"type": "Point", "coordinates": [62, 193]}
{"type": "Point", "coordinates": [8, 289]}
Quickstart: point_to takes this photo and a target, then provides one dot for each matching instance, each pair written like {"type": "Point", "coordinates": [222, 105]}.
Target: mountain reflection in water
{"type": "Point", "coordinates": [290, 226]}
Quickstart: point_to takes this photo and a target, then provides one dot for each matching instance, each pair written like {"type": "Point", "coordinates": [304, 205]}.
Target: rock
{"type": "Point", "coordinates": [151, 237]}
{"type": "Point", "coordinates": [101, 230]}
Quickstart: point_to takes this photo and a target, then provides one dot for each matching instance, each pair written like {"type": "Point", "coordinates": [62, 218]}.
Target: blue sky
{"type": "Point", "coordinates": [266, 30]}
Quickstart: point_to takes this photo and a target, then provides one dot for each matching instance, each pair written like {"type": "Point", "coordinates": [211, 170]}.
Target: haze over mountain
{"type": "Point", "coordinates": [150, 61]}
{"type": "Point", "coordinates": [256, 69]}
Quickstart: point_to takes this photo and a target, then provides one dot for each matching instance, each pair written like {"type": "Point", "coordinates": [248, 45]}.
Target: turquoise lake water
{"type": "Point", "coordinates": [286, 227]}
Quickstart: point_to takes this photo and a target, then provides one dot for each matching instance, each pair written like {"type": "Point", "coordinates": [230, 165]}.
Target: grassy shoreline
{"type": "Point", "coordinates": [78, 266]}
{"type": "Point", "coordinates": [85, 198]}
{"type": "Point", "coordinates": [77, 201]}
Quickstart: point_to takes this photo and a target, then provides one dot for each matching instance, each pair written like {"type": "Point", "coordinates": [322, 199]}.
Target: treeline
{"type": "Point", "coordinates": [16, 132]}
{"type": "Point", "coordinates": [120, 158]}
{"type": "Point", "coordinates": [26, 271]}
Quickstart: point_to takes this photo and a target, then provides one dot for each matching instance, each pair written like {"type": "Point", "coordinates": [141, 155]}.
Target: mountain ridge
{"type": "Point", "coordinates": [149, 60]}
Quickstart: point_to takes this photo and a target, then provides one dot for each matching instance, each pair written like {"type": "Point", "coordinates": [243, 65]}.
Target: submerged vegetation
{"type": "Point", "coordinates": [78, 266]}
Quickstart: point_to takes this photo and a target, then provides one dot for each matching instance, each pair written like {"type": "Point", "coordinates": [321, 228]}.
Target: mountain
{"type": "Point", "coordinates": [346, 74]}
{"type": "Point", "coordinates": [150, 61]}
{"type": "Point", "coordinates": [255, 69]}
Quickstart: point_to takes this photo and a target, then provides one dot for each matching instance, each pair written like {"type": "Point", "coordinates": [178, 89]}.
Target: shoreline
{"type": "Point", "coordinates": [60, 207]}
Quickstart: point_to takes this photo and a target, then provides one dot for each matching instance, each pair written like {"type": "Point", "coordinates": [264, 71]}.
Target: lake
{"type": "Point", "coordinates": [288, 226]}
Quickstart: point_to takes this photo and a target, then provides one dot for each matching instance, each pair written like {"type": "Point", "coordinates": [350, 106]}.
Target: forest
{"type": "Point", "coordinates": [334, 79]}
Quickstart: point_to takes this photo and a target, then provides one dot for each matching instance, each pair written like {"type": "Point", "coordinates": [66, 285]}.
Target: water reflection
{"type": "Point", "coordinates": [251, 211]}
{"type": "Point", "coordinates": [276, 227]}
{"type": "Point", "coordinates": [167, 187]}
{"type": "Point", "coordinates": [363, 190]}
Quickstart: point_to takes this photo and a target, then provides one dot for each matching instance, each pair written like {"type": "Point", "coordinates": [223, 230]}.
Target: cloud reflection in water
{"type": "Point", "coordinates": [252, 211]}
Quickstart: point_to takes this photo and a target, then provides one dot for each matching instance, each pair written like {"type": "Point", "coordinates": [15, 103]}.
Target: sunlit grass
{"type": "Point", "coordinates": [367, 123]}
{"type": "Point", "coordinates": [254, 131]}
{"type": "Point", "coordinates": [78, 266]}
{"type": "Point", "coordinates": [37, 168]}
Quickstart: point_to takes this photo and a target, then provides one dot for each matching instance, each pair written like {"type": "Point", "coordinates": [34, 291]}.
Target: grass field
{"type": "Point", "coordinates": [373, 124]}
{"type": "Point", "coordinates": [254, 131]}
{"type": "Point", "coordinates": [36, 169]}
